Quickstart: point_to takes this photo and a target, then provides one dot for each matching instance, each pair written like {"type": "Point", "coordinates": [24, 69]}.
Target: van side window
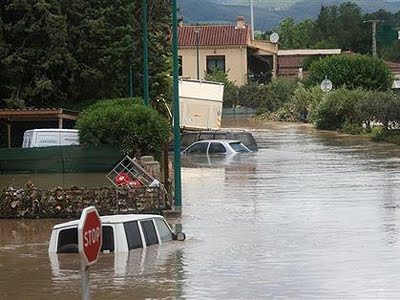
{"type": "Point", "coordinates": [163, 230]}
{"type": "Point", "coordinates": [68, 241]}
{"type": "Point", "coordinates": [133, 235]}
{"type": "Point", "coordinates": [108, 239]}
{"type": "Point", "coordinates": [149, 232]}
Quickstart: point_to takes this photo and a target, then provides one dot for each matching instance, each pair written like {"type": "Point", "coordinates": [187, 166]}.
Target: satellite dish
{"type": "Point", "coordinates": [274, 37]}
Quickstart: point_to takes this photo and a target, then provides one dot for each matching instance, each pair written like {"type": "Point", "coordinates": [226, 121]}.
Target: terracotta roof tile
{"type": "Point", "coordinates": [213, 35]}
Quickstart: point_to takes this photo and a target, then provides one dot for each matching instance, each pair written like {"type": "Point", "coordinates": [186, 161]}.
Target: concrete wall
{"type": "Point", "coordinates": [235, 62]}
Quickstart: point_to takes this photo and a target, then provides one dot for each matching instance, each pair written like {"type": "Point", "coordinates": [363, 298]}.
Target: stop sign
{"type": "Point", "coordinates": [89, 235]}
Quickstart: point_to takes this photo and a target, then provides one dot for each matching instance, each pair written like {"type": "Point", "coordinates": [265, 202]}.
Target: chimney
{"type": "Point", "coordinates": [240, 24]}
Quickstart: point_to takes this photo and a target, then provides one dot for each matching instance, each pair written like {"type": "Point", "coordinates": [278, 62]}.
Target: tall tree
{"type": "Point", "coordinates": [342, 27]}
{"type": "Point", "coordinates": [67, 51]}
{"type": "Point", "coordinates": [295, 36]}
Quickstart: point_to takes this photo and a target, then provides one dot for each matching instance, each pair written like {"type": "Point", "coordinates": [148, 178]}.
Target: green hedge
{"type": "Point", "coordinates": [125, 123]}
{"type": "Point", "coordinates": [352, 72]}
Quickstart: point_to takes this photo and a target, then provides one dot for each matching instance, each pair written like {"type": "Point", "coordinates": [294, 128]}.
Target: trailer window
{"type": "Point", "coordinates": [68, 241]}
{"type": "Point", "coordinates": [133, 235]}
{"type": "Point", "coordinates": [149, 232]}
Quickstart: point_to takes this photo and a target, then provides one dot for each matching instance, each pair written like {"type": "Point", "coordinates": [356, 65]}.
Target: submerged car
{"type": "Point", "coordinates": [121, 233]}
{"type": "Point", "coordinates": [189, 137]}
{"type": "Point", "coordinates": [226, 147]}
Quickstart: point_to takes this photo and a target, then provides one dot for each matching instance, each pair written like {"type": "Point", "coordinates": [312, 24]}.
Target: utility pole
{"type": "Point", "coordinates": [252, 19]}
{"type": "Point", "coordinates": [374, 25]}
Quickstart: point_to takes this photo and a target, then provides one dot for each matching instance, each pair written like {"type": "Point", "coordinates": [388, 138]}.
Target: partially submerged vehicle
{"type": "Point", "coordinates": [216, 147]}
{"type": "Point", "coordinates": [121, 233]}
{"type": "Point", "coordinates": [50, 137]}
{"type": "Point", "coordinates": [190, 136]}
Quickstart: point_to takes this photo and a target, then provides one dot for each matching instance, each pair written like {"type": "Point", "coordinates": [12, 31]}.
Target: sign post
{"type": "Point", "coordinates": [326, 84]}
{"type": "Point", "coordinates": [90, 239]}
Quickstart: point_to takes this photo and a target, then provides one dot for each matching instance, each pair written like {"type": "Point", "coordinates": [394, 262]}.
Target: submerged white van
{"type": "Point", "coordinates": [50, 137]}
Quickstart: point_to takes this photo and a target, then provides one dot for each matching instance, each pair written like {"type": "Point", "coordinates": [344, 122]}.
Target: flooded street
{"type": "Point", "coordinates": [312, 215]}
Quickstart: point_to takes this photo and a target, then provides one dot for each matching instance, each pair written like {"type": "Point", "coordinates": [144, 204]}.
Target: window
{"type": "Point", "coordinates": [215, 63]}
{"type": "Point", "coordinates": [216, 148]}
{"type": "Point", "coordinates": [68, 241]}
{"type": "Point", "coordinates": [180, 60]}
{"type": "Point", "coordinates": [197, 148]}
{"type": "Point", "coordinates": [108, 238]}
{"type": "Point", "coordinates": [163, 230]}
{"type": "Point", "coordinates": [149, 232]}
{"type": "Point", "coordinates": [238, 147]}
{"type": "Point", "coordinates": [133, 235]}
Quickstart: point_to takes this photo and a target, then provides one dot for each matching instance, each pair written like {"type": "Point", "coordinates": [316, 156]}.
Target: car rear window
{"type": "Point", "coordinates": [238, 147]}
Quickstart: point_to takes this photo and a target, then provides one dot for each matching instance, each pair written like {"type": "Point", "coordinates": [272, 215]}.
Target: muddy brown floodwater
{"type": "Point", "coordinates": [312, 215]}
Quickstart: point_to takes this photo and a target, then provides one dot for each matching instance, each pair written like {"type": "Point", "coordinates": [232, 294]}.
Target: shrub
{"type": "Point", "coordinates": [267, 98]}
{"type": "Point", "coordinates": [250, 95]}
{"type": "Point", "coordinates": [230, 89]}
{"type": "Point", "coordinates": [125, 123]}
{"type": "Point", "coordinates": [338, 107]}
{"type": "Point", "coordinates": [381, 134]}
{"type": "Point", "coordinates": [352, 72]}
{"type": "Point", "coordinates": [305, 101]}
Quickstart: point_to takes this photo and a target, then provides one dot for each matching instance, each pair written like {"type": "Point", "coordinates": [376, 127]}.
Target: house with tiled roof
{"type": "Point", "coordinates": [395, 69]}
{"type": "Point", "coordinates": [291, 62]}
{"type": "Point", "coordinates": [229, 48]}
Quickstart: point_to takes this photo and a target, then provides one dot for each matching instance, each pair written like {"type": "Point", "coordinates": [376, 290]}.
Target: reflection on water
{"type": "Point", "coordinates": [312, 215]}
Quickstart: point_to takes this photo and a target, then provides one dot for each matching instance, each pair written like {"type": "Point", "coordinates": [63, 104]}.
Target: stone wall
{"type": "Point", "coordinates": [68, 203]}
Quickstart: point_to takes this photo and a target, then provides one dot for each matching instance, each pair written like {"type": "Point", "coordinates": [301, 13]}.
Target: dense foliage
{"type": "Point", "coordinates": [125, 123]}
{"type": "Point", "coordinates": [344, 109]}
{"type": "Point", "coordinates": [341, 26]}
{"type": "Point", "coordinates": [63, 52]}
{"type": "Point", "coordinates": [267, 98]}
{"type": "Point", "coordinates": [351, 71]}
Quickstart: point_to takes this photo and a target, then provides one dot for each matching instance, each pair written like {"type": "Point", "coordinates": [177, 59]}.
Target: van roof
{"type": "Point", "coordinates": [112, 219]}
{"type": "Point", "coordinates": [52, 130]}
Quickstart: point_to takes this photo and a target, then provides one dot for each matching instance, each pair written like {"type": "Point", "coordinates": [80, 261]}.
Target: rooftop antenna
{"type": "Point", "coordinates": [252, 19]}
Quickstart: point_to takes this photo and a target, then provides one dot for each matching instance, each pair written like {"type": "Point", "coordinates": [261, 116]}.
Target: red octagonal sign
{"type": "Point", "coordinates": [89, 235]}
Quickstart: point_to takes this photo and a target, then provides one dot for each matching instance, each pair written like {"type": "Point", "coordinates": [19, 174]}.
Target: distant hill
{"type": "Point", "coordinates": [267, 13]}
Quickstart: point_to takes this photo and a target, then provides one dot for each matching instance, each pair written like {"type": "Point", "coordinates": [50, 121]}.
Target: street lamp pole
{"type": "Point", "coordinates": [197, 33]}
{"type": "Point", "coordinates": [145, 54]}
{"type": "Point", "coordinates": [177, 136]}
